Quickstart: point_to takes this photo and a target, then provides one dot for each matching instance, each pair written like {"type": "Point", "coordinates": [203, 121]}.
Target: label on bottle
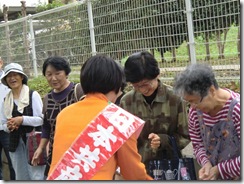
{"type": "Point", "coordinates": [184, 174]}
{"type": "Point", "coordinates": [157, 172]}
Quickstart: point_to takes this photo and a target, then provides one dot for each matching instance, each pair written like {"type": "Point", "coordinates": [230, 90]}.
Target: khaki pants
{"type": "Point", "coordinates": [5, 168]}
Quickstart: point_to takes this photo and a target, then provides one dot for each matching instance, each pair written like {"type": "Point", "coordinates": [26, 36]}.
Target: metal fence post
{"type": "Point", "coordinates": [190, 30]}
{"type": "Point", "coordinates": [33, 50]}
{"type": "Point", "coordinates": [91, 27]}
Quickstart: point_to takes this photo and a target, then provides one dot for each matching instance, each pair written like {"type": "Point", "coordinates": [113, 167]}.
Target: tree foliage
{"type": "Point", "coordinates": [212, 18]}
{"type": "Point", "coordinates": [49, 6]}
{"type": "Point", "coordinates": [64, 33]}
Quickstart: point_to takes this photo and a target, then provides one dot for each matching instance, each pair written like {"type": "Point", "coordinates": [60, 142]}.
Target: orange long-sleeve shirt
{"type": "Point", "coordinates": [72, 120]}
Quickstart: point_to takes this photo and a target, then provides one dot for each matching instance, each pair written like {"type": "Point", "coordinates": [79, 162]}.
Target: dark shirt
{"type": "Point", "coordinates": [55, 103]}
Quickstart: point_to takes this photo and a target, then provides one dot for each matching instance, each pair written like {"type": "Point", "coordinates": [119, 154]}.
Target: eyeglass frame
{"type": "Point", "coordinates": [191, 103]}
{"type": "Point", "coordinates": [145, 84]}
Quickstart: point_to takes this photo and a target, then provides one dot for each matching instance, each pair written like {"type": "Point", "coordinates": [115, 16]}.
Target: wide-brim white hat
{"type": "Point", "coordinates": [13, 67]}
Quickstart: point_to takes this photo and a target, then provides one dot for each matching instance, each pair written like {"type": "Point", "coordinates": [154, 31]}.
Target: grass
{"type": "Point", "coordinates": [39, 84]}
{"type": "Point", "coordinates": [230, 47]}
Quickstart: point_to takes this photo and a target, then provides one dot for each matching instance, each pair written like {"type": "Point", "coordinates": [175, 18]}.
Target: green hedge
{"type": "Point", "coordinates": [40, 84]}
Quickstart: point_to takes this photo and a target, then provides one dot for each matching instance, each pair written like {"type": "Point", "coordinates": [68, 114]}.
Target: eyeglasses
{"type": "Point", "coordinates": [194, 104]}
{"type": "Point", "coordinates": [56, 74]}
{"type": "Point", "coordinates": [144, 85]}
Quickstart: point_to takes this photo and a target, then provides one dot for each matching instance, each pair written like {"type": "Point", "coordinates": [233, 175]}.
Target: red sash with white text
{"type": "Point", "coordinates": [96, 144]}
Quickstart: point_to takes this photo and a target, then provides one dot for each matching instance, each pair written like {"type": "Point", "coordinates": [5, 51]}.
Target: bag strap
{"type": "Point", "coordinates": [28, 128]}
{"type": "Point", "coordinates": [35, 140]}
{"type": "Point", "coordinates": [231, 107]}
{"type": "Point", "coordinates": [229, 116]}
{"type": "Point", "coordinates": [78, 92]}
{"type": "Point", "coordinates": [176, 152]}
{"type": "Point", "coordinates": [30, 100]}
{"type": "Point", "coordinates": [45, 103]}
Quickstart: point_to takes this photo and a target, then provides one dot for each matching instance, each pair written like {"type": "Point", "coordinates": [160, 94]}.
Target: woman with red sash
{"type": "Point", "coordinates": [102, 80]}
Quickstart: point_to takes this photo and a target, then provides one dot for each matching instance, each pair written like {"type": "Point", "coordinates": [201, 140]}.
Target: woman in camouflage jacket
{"type": "Point", "coordinates": [154, 102]}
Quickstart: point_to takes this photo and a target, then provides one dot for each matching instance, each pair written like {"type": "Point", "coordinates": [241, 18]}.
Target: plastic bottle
{"type": "Point", "coordinates": [183, 171]}
{"type": "Point", "coordinates": [179, 167]}
{"type": "Point", "coordinates": [157, 172]}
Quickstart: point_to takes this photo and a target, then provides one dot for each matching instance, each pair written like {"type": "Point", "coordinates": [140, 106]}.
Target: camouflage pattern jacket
{"type": "Point", "coordinates": [165, 116]}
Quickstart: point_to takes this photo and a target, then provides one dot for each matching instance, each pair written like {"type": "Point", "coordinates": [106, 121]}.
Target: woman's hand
{"type": "Point", "coordinates": [36, 157]}
{"type": "Point", "coordinates": [155, 141]}
{"type": "Point", "coordinates": [207, 172]}
{"type": "Point", "coordinates": [214, 173]}
{"type": "Point", "coordinates": [14, 123]}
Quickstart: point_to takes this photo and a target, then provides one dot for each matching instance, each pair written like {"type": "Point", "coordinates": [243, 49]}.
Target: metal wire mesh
{"type": "Point", "coordinates": [122, 27]}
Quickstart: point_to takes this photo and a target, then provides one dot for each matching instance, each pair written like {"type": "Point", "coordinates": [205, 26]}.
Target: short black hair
{"type": "Point", "coordinates": [101, 73]}
{"type": "Point", "coordinates": [141, 65]}
{"type": "Point", "coordinates": [59, 63]}
{"type": "Point", "coordinates": [196, 79]}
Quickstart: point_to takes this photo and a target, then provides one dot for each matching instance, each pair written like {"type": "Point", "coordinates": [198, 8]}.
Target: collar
{"type": "Point", "coordinates": [96, 96]}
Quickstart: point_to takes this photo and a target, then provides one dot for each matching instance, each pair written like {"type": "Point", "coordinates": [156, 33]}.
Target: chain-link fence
{"type": "Point", "coordinates": [175, 31]}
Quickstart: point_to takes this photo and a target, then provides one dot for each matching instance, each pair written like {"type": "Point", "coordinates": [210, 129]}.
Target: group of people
{"type": "Point", "coordinates": [212, 123]}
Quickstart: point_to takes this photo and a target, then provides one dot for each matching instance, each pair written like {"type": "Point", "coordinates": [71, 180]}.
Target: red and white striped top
{"type": "Point", "coordinates": [229, 168]}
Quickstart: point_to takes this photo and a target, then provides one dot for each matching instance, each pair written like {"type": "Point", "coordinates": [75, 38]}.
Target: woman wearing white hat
{"type": "Point", "coordinates": [21, 112]}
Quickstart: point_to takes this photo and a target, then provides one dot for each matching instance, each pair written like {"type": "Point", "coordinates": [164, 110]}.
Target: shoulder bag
{"type": "Point", "coordinates": [32, 143]}
{"type": "Point", "coordinates": [178, 168]}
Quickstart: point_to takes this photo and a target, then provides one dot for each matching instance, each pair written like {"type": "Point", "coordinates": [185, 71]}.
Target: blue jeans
{"type": "Point", "coordinates": [23, 170]}
{"type": "Point", "coordinates": [4, 145]}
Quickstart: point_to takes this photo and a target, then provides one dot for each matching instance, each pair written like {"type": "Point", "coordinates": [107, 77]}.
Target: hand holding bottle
{"type": "Point", "coordinates": [155, 141]}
